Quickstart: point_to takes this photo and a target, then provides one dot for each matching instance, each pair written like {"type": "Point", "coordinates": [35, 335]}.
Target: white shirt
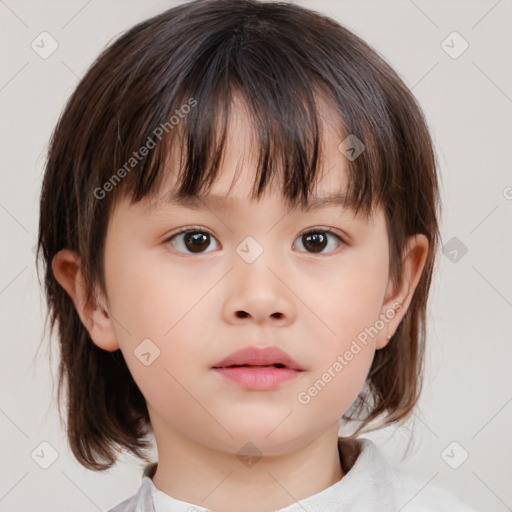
{"type": "Point", "coordinates": [370, 484]}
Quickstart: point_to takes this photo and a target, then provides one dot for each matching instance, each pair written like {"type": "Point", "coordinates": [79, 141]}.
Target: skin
{"type": "Point", "coordinates": [311, 305]}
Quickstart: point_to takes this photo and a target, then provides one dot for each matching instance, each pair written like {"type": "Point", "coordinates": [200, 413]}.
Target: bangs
{"type": "Point", "coordinates": [283, 85]}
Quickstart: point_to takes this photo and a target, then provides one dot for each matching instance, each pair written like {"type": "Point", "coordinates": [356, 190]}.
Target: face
{"type": "Point", "coordinates": [189, 286]}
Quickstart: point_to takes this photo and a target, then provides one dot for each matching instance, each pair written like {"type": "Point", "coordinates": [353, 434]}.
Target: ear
{"type": "Point", "coordinates": [66, 269]}
{"type": "Point", "coordinates": [398, 297]}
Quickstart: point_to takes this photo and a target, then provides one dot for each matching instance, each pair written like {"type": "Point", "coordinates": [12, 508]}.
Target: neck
{"type": "Point", "coordinates": [219, 480]}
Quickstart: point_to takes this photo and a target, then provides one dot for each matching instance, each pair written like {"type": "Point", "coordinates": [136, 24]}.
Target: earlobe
{"type": "Point", "coordinates": [399, 296]}
{"type": "Point", "coordinates": [66, 269]}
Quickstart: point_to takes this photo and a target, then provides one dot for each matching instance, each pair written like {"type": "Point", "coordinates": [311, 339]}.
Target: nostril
{"type": "Point", "coordinates": [244, 314]}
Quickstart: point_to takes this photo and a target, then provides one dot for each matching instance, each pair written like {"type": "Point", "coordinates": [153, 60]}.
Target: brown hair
{"type": "Point", "coordinates": [278, 57]}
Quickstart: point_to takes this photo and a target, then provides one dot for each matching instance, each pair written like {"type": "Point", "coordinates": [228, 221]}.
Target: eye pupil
{"type": "Point", "coordinates": [317, 241]}
{"type": "Point", "coordinates": [196, 240]}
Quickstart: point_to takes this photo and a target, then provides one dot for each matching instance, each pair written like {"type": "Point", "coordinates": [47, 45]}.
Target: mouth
{"type": "Point", "coordinates": [276, 365]}
{"type": "Point", "coordinates": [255, 357]}
{"type": "Point", "coordinates": [258, 369]}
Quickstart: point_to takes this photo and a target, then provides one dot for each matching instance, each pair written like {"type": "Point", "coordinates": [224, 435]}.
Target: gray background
{"type": "Point", "coordinates": [468, 102]}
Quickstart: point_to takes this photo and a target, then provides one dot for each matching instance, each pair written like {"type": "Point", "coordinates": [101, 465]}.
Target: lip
{"type": "Point", "coordinates": [255, 356]}
{"type": "Point", "coordinates": [258, 379]}
{"type": "Point", "coordinates": [259, 375]}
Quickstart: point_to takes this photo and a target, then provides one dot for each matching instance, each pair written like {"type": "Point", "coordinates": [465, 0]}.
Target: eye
{"type": "Point", "coordinates": [316, 240]}
{"type": "Point", "coordinates": [191, 240]}
{"type": "Point", "coordinates": [195, 240]}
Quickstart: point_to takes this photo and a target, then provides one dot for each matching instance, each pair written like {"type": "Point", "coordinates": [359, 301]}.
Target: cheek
{"type": "Point", "coordinates": [336, 386]}
{"type": "Point", "coordinates": [350, 298]}
{"type": "Point", "coordinates": [149, 296]}
{"type": "Point", "coordinates": [158, 316]}
{"type": "Point", "coordinates": [348, 302]}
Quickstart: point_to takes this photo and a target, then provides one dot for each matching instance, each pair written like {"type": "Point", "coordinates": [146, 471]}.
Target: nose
{"type": "Point", "coordinates": [259, 294]}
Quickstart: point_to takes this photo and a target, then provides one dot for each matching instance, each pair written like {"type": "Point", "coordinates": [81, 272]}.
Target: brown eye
{"type": "Point", "coordinates": [196, 241]}
{"type": "Point", "coordinates": [316, 241]}
{"type": "Point", "coordinates": [191, 241]}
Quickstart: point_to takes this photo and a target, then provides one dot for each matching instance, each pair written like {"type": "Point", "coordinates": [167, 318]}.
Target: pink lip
{"type": "Point", "coordinates": [259, 374]}
{"type": "Point", "coordinates": [255, 356]}
{"type": "Point", "coordinates": [258, 379]}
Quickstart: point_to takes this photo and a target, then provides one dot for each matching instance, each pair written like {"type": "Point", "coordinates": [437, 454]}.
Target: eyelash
{"type": "Point", "coordinates": [198, 229]}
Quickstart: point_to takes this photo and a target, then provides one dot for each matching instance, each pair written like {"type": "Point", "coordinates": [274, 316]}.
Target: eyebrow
{"type": "Point", "coordinates": [198, 202]}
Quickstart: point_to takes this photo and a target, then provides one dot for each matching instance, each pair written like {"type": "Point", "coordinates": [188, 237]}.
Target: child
{"type": "Point", "coordinates": [239, 223]}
